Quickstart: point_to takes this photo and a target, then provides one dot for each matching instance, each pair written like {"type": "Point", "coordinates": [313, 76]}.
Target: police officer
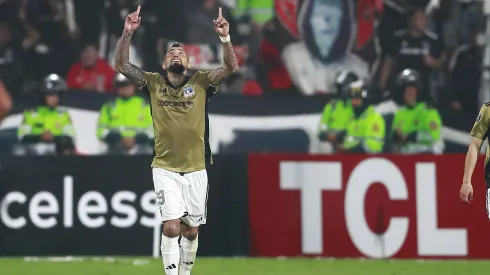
{"type": "Point", "coordinates": [48, 124]}
{"type": "Point", "coordinates": [125, 123]}
{"type": "Point", "coordinates": [365, 133]}
{"type": "Point", "coordinates": [337, 112]}
{"type": "Point", "coordinates": [417, 125]}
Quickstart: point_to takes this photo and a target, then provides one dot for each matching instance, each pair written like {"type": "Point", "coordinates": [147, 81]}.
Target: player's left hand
{"type": "Point", "coordinates": [221, 25]}
{"type": "Point", "coordinates": [466, 192]}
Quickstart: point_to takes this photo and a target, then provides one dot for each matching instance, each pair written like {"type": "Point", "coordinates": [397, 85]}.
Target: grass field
{"type": "Point", "coordinates": [239, 266]}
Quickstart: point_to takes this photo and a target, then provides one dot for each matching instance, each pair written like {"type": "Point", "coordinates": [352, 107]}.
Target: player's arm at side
{"type": "Point", "coordinates": [122, 64]}
{"type": "Point", "coordinates": [229, 66]}
{"type": "Point", "coordinates": [478, 132]}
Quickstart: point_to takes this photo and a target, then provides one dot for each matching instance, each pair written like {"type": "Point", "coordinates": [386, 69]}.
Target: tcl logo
{"type": "Point", "coordinates": [92, 209]}
{"type": "Point", "coordinates": [313, 177]}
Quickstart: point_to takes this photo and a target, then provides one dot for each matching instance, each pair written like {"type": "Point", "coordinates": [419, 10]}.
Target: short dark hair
{"type": "Point", "coordinates": [175, 45]}
{"type": "Point", "coordinates": [413, 10]}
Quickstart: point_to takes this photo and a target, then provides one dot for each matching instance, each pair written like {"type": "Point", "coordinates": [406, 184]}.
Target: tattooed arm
{"type": "Point", "coordinates": [132, 72]}
{"type": "Point", "coordinates": [222, 27]}
{"type": "Point", "coordinates": [123, 65]}
{"type": "Point", "coordinates": [230, 65]}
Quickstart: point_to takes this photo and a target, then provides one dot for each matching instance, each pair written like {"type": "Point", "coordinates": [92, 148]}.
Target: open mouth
{"type": "Point", "coordinates": [176, 61]}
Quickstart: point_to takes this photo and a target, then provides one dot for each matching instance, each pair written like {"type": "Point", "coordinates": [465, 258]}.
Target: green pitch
{"type": "Point", "coordinates": [239, 266]}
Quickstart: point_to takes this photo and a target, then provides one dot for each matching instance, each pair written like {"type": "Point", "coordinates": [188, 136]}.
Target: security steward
{"type": "Point", "coordinates": [417, 125]}
{"type": "Point", "coordinates": [125, 123]}
{"type": "Point", "coordinates": [48, 125]}
{"type": "Point", "coordinates": [365, 132]}
{"type": "Point", "coordinates": [337, 112]}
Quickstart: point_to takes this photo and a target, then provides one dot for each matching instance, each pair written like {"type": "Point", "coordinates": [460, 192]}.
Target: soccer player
{"type": "Point", "coordinates": [179, 114]}
{"type": "Point", "coordinates": [479, 132]}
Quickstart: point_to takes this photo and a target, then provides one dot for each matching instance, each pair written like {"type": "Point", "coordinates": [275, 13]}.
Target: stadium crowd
{"type": "Point", "coordinates": [420, 53]}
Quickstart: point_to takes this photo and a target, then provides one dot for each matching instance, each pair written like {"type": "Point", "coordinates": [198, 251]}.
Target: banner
{"type": "Point", "coordinates": [106, 206]}
{"type": "Point", "coordinates": [365, 206]}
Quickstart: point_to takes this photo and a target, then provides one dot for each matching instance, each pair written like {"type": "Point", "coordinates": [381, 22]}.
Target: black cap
{"type": "Point", "coordinates": [53, 84]}
{"type": "Point", "coordinates": [121, 81]}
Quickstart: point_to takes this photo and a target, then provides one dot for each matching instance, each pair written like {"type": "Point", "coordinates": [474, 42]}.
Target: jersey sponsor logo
{"type": "Point", "coordinates": [478, 117]}
{"type": "Point", "coordinates": [169, 103]}
{"type": "Point", "coordinates": [188, 90]}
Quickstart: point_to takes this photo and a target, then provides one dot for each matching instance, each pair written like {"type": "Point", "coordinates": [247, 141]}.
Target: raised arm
{"type": "Point", "coordinates": [230, 65]}
{"type": "Point", "coordinates": [122, 63]}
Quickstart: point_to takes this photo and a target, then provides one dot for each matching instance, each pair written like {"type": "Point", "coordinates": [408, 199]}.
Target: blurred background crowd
{"type": "Point", "coordinates": [420, 54]}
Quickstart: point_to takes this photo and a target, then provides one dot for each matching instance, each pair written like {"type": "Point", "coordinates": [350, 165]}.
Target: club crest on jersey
{"type": "Point", "coordinates": [188, 90]}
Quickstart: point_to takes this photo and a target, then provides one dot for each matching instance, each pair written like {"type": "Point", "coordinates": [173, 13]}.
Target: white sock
{"type": "Point", "coordinates": [188, 250]}
{"type": "Point", "coordinates": [170, 255]}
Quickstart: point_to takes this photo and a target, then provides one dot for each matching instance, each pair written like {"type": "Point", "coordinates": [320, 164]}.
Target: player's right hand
{"type": "Point", "coordinates": [133, 21]}
{"type": "Point", "coordinates": [466, 192]}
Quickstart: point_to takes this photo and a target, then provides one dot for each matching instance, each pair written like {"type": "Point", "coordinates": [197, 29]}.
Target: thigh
{"type": "Point", "coordinates": [196, 197]}
{"type": "Point", "coordinates": [169, 198]}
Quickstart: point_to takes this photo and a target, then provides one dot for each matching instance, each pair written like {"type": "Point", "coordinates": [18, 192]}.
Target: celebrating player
{"type": "Point", "coordinates": [479, 132]}
{"type": "Point", "coordinates": [180, 120]}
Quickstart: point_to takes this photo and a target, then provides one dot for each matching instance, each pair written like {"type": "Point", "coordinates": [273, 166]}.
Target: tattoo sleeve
{"type": "Point", "coordinates": [132, 72]}
{"type": "Point", "coordinates": [230, 65]}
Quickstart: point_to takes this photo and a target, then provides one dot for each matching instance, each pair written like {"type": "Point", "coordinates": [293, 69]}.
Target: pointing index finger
{"type": "Point", "coordinates": [138, 10]}
{"type": "Point", "coordinates": [219, 13]}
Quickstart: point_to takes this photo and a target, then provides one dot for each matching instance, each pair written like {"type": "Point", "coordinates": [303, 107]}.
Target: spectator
{"type": "Point", "coordinates": [57, 47]}
{"type": "Point", "coordinates": [47, 124]}
{"type": "Point", "coordinates": [251, 16]}
{"type": "Point", "coordinates": [12, 49]}
{"type": "Point", "coordinates": [88, 15]}
{"type": "Point", "coordinates": [125, 123]}
{"type": "Point", "coordinates": [199, 22]}
{"type": "Point", "coordinates": [414, 48]}
{"type": "Point", "coordinates": [115, 16]}
{"type": "Point", "coordinates": [465, 73]}
{"type": "Point", "coordinates": [91, 72]}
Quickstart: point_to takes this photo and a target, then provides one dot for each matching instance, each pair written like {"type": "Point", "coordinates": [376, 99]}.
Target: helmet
{"type": "Point", "coordinates": [120, 81]}
{"type": "Point", "coordinates": [358, 89]}
{"type": "Point", "coordinates": [408, 77]}
{"type": "Point", "coordinates": [53, 84]}
{"type": "Point", "coordinates": [342, 81]}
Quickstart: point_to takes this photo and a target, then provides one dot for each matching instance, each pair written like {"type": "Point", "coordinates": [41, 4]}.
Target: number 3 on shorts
{"type": "Point", "coordinates": [161, 197]}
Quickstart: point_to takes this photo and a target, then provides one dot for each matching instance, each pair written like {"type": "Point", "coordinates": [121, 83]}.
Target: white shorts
{"type": "Point", "coordinates": [181, 196]}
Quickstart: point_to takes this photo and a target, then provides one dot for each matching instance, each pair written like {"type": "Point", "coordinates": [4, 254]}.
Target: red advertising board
{"type": "Point", "coordinates": [365, 206]}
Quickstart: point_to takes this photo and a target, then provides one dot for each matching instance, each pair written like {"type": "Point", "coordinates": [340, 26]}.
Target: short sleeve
{"type": "Point", "coordinates": [480, 127]}
{"type": "Point", "coordinates": [150, 80]}
{"type": "Point", "coordinates": [205, 82]}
